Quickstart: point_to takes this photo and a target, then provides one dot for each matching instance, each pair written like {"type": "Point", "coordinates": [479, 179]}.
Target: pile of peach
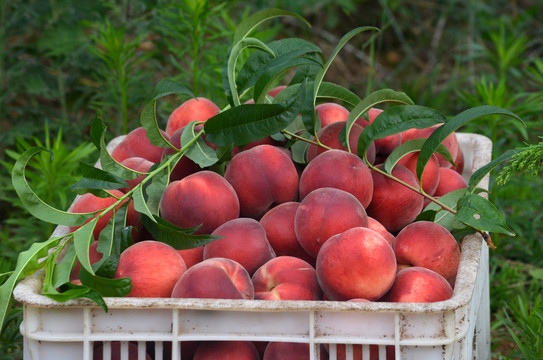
{"type": "Point", "coordinates": [330, 230]}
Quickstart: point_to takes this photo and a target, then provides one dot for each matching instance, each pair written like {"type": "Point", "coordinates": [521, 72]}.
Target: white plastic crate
{"type": "Point", "coordinates": [458, 328]}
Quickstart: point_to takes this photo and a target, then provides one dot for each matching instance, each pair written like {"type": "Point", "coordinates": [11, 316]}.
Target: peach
{"type": "Point", "coordinates": [192, 256]}
{"type": "Point", "coordinates": [227, 350]}
{"type": "Point", "coordinates": [204, 198]}
{"type": "Point", "coordinates": [88, 203]}
{"type": "Point", "coordinates": [329, 136]}
{"type": "Point", "coordinates": [378, 227]}
{"type": "Point", "coordinates": [184, 166]}
{"type": "Point", "coordinates": [139, 164]}
{"type": "Point", "coordinates": [243, 240]}
{"type": "Point", "coordinates": [116, 351]}
{"type": "Point", "coordinates": [358, 263]}
{"type": "Point", "coordinates": [273, 92]}
{"type": "Point", "coordinates": [286, 278]}
{"type": "Point", "coordinates": [393, 204]}
{"type": "Point", "coordinates": [136, 144]}
{"type": "Point", "coordinates": [330, 112]}
{"type": "Point", "coordinates": [451, 142]}
{"type": "Point", "coordinates": [459, 161]}
{"type": "Point", "coordinates": [449, 180]}
{"type": "Point", "coordinates": [262, 176]}
{"type": "Point", "coordinates": [278, 350]}
{"type": "Point", "coordinates": [338, 169]}
{"type": "Point", "coordinates": [216, 278]}
{"type": "Point", "coordinates": [153, 266]}
{"type": "Point", "coordinates": [195, 109]}
{"type": "Point", "coordinates": [325, 212]}
{"type": "Point", "coordinates": [385, 145]}
{"type": "Point", "coordinates": [278, 223]}
{"type": "Point", "coordinates": [429, 245]}
{"type": "Point", "coordinates": [419, 285]}
{"type": "Point", "coordinates": [430, 175]}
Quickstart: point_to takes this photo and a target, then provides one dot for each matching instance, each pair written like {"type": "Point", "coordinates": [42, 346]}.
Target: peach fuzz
{"type": "Point", "coordinates": [153, 266]}
{"type": "Point", "coordinates": [429, 245]}
{"type": "Point", "coordinates": [227, 350]}
{"type": "Point", "coordinates": [243, 240]}
{"type": "Point", "coordinates": [326, 212]}
{"type": "Point", "coordinates": [136, 144]}
{"type": "Point", "coordinates": [278, 223]}
{"type": "Point", "coordinates": [216, 278]}
{"type": "Point", "coordinates": [89, 203]}
{"type": "Point", "coordinates": [204, 198]}
{"type": "Point", "coordinates": [393, 204]}
{"type": "Point", "coordinates": [138, 164]}
{"type": "Point", "coordinates": [338, 169]}
{"type": "Point", "coordinates": [379, 228]}
{"type": "Point", "coordinates": [278, 350]}
{"type": "Point", "coordinates": [329, 136]}
{"type": "Point", "coordinates": [385, 145]}
{"type": "Point", "coordinates": [449, 180]}
{"type": "Point", "coordinates": [450, 142]}
{"type": "Point", "coordinates": [185, 166]}
{"type": "Point", "coordinates": [196, 109]}
{"type": "Point", "coordinates": [286, 278]}
{"type": "Point", "coordinates": [358, 263]}
{"type": "Point", "coordinates": [192, 256]}
{"type": "Point", "coordinates": [419, 285]}
{"type": "Point", "coordinates": [430, 175]}
{"type": "Point", "coordinates": [330, 112]}
{"type": "Point", "coordinates": [262, 177]}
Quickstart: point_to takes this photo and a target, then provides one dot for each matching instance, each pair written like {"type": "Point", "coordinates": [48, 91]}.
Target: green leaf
{"type": "Point", "coordinates": [250, 122]}
{"type": "Point", "coordinates": [450, 126]}
{"type": "Point", "coordinates": [408, 147]}
{"type": "Point", "coordinates": [167, 87]}
{"type": "Point", "coordinates": [83, 237]}
{"type": "Point", "coordinates": [252, 22]}
{"type": "Point", "coordinates": [71, 291]}
{"type": "Point", "coordinates": [179, 238]}
{"type": "Point", "coordinates": [155, 189]}
{"type": "Point", "coordinates": [481, 214]}
{"type": "Point", "coordinates": [105, 286]}
{"type": "Point", "coordinates": [107, 267]}
{"type": "Point", "coordinates": [149, 123]}
{"type": "Point", "coordinates": [395, 120]}
{"type": "Point", "coordinates": [333, 92]}
{"type": "Point", "coordinates": [229, 77]}
{"type": "Point", "coordinates": [28, 263]}
{"type": "Point", "coordinates": [95, 179]}
{"type": "Point", "coordinates": [32, 202]}
{"type": "Point", "coordinates": [443, 217]}
{"type": "Point", "coordinates": [372, 100]}
{"type": "Point", "coordinates": [62, 270]}
{"type": "Point", "coordinates": [198, 151]}
{"type": "Point", "coordinates": [478, 175]}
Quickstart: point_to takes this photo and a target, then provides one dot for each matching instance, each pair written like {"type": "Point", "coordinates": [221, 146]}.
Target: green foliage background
{"type": "Point", "coordinates": [61, 60]}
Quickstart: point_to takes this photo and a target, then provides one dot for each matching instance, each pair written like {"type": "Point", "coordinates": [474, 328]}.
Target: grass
{"type": "Point", "coordinates": [59, 63]}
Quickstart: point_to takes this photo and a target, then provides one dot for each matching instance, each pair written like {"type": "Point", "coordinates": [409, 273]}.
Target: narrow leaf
{"type": "Point", "coordinates": [83, 237]}
{"type": "Point", "coordinates": [481, 214]}
{"type": "Point", "coordinates": [198, 151]}
{"type": "Point", "coordinates": [105, 286]}
{"type": "Point", "coordinates": [411, 146]}
{"type": "Point", "coordinates": [444, 217]}
{"type": "Point", "coordinates": [94, 178]}
{"type": "Point", "coordinates": [149, 122]}
{"type": "Point", "coordinates": [450, 126]}
{"type": "Point", "coordinates": [333, 92]}
{"type": "Point", "coordinates": [478, 175]}
{"type": "Point", "coordinates": [32, 202]}
{"type": "Point", "coordinates": [167, 87]}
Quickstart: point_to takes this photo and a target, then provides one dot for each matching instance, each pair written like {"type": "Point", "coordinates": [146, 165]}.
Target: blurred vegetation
{"type": "Point", "coordinates": [61, 60]}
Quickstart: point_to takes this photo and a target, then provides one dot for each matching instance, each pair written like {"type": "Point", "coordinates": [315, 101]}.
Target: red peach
{"type": "Point", "coordinates": [329, 136]}
{"type": "Point", "coordinates": [358, 263]}
{"type": "Point", "coordinates": [393, 204]}
{"type": "Point", "coordinates": [338, 169]}
{"type": "Point", "coordinates": [137, 144]}
{"type": "Point", "coordinates": [386, 145]}
{"type": "Point", "coordinates": [330, 112]}
{"type": "Point", "coordinates": [278, 223]}
{"type": "Point", "coordinates": [195, 109]}
{"type": "Point", "coordinates": [88, 203]}
{"type": "Point", "coordinates": [419, 285]}
{"type": "Point", "coordinates": [449, 180]}
{"type": "Point", "coordinates": [430, 175]}
{"type": "Point", "coordinates": [153, 266]}
{"type": "Point", "coordinates": [451, 142]}
{"type": "Point", "coordinates": [138, 164]}
{"type": "Point", "coordinates": [377, 226]}
{"type": "Point", "coordinates": [216, 278]}
{"type": "Point", "coordinates": [204, 198]}
{"type": "Point", "coordinates": [286, 278]}
{"type": "Point", "coordinates": [227, 350]}
{"type": "Point", "coordinates": [262, 176]}
{"type": "Point", "coordinates": [243, 240]}
{"type": "Point", "coordinates": [429, 245]}
{"type": "Point", "coordinates": [459, 161]}
{"type": "Point", "coordinates": [94, 257]}
{"type": "Point", "coordinates": [192, 256]}
{"type": "Point", "coordinates": [325, 212]}
{"type": "Point", "coordinates": [286, 351]}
